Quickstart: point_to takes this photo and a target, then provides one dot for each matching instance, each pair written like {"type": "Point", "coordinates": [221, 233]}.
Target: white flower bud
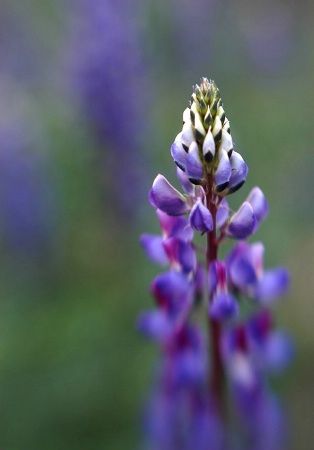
{"type": "Point", "coordinates": [187, 134]}
{"type": "Point", "coordinates": [209, 147]}
{"type": "Point", "coordinates": [216, 130]}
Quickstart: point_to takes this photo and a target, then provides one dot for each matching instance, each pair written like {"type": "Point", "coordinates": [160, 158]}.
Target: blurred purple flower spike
{"type": "Point", "coordinates": [106, 60]}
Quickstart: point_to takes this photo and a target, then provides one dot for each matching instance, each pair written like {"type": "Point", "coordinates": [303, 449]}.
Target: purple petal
{"type": "Point", "coordinates": [259, 327]}
{"type": "Point", "coordinates": [278, 351]}
{"type": "Point", "coordinates": [155, 324]}
{"type": "Point", "coordinates": [224, 306]}
{"type": "Point", "coordinates": [165, 197]}
{"type": "Point", "coordinates": [212, 278]}
{"type": "Point", "coordinates": [242, 248]}
{"type": "Point", "coordinates": [258, 202]}
{"type": "Point", "coordinates": [242, 223]}
{"type": "Point", "coordinates": [223, 172]}
{"type": "Point", "coordinates": [185, 183]}
{"type": "Point", "coordinates": [222, 213]}
{"type": "Point", "coordinates": [201, 218]}
{"type": "Point", "coordinates": [238, 174]}
{"type": "Point", "coordinates": [154, 249]}
{"type": "Point", "coordinates": [181, 254]}
{"type": "Point", "coordinates": [178, 153]}
{"type": "Point", "coordinates": [175, 226]}
{"type": "Point", "coordinates": [173, 293]}
{"type": "Point", "coordinates": [242, 273]}
{"type": "Point", "coordinates": [190, 368]}
{"type": "Point", "coordinates": [274, 283]}
{"type": "Point", "coordinates": [193, 165]}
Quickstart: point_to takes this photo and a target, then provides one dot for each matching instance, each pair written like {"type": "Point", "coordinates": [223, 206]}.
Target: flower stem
{"type": "Point", "coordinates": [216, 382]}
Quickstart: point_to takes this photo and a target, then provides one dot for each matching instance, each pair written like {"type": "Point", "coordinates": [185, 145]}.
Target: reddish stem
{"type": "Point", "coordinates": [216, 382]}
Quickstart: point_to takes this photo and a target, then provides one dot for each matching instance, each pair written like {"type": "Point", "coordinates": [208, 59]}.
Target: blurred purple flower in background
{"type": "Point", "coordinates": [268, 32]}
{"type": "Point", "coordinates": [193, 27]}
{"type": "Point", "coordinates": [107, 78]}
{"type": "Point", "coordinates": [27, 220]}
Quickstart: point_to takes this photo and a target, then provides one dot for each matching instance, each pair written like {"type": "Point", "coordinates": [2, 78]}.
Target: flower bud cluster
{"type": "Point", "coordinates": [245, 347]}
{"type": "Point", "coordinates": [204, 146]}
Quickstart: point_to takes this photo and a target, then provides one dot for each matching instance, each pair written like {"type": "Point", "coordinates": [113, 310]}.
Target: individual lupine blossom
{"type": "Point", "coordinates": [188, 406]}
{"type": "Point", "coordinates": [106, 55]}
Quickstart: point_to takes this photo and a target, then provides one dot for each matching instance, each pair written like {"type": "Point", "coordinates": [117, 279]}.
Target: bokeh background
{"type": "Point", "coordinates": [91, 98]}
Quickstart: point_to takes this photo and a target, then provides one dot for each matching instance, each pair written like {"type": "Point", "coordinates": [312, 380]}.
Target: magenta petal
{"type": "Point", "coordinates": [274, 283]}
{"type": "Point", "coordinates": [223, 172]}
{"type": "Point", "coordinates": [223, 306]}
{"type": "Point", "coordinates": [165, 197]}
{"type": "Point", "coordinates": [222, 214]}
{"type": "Point", "coordinates": [193, 165]}
{"type": "Point", "coordinates": [154, 249]}
{"type": "Point", "coordinates": [242, 223]}
{"type": "Point", "coordinates": [239, 172]}
{"type": "Point", "coordinates": [258, 202]}
{"type": "Point", "coordinates": [178, 153]}
{"type": "Point", "coordinates": [201, 218]}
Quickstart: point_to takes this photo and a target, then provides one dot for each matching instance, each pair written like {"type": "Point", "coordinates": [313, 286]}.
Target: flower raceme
{"type": "Point", "coordinates": [190, 396]}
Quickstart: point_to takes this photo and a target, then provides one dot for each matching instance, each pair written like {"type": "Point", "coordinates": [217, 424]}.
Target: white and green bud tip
{"type": "Point", "coordinates": [205, 144]}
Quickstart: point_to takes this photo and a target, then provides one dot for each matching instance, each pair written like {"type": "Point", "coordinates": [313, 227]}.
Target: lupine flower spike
{"type": "Point", "coordinates": [189, 408]}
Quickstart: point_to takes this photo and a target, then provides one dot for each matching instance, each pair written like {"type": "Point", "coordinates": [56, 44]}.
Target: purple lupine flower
{"type": "Point", "coordinates": [200, 218]}
{"type": "Point", "coordinates": [172, 227]}
{"type": "Point", "coordinates": [107, 63]}
{"type": "Point", "coordinates": [222, 303]}
{"type": "Point", "coordinates": [242, 223]}
{"type": "Point", "coordinates": [165, 197]}
{"type": "Point", "coordinates": [245, 268]}
{"type": "Point", "coordinates": [187, 411]}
